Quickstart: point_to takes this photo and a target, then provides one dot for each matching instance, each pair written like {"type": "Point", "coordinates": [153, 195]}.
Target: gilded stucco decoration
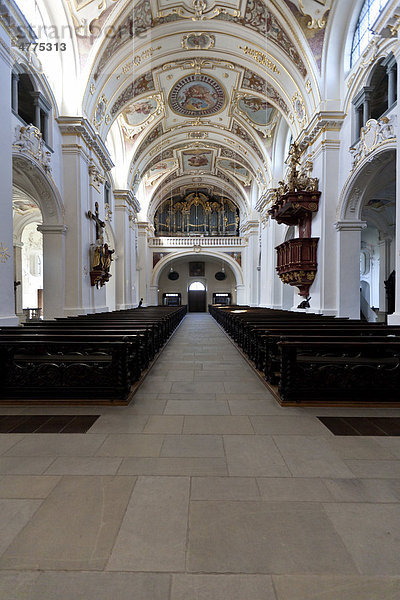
{"type": "Point", "coordinates": [256, 83]}
{"type": "Point", "coordinates": [198, 41]}
{"type": "Point", "coordinates": [256, 111]}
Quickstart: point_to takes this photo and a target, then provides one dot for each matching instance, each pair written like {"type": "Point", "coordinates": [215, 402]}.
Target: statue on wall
{"type": "Point", "coordinates": [101, 255]}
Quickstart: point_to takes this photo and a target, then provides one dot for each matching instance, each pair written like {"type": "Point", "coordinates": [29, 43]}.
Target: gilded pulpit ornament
{"type": "Point", "coordinates": [100, 253]}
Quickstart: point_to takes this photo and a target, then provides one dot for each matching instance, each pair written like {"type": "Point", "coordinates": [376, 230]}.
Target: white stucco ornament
{"type": "Point", "coordinates": [315, 9]}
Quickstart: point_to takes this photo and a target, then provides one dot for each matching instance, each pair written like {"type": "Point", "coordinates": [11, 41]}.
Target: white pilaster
{"type": "Point", "coordinates": [348, 268]}
{"type": "Point", "coordinates": [53, 269]}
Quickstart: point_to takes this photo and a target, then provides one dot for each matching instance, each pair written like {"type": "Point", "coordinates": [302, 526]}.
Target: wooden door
{"type": "Point", "coordinates": [197, 300]}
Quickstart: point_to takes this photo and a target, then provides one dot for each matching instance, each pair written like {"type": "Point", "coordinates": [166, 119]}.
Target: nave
{"type": "Point", "coordinates": [202, 488]}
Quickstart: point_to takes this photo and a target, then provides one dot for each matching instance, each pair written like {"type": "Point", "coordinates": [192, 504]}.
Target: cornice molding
{"type": "Point", "coordinates": [81, 127]}
{"type": "Point", "coordinates": [14, 22]}
{"type": "Point", "coordinates": [127, 197]}
{"type": "Point", "coordinates": [321, 121]}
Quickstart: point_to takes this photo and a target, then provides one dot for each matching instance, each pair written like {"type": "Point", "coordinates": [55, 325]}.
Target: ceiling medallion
{"type": "Point", "coordinates": [197, 96]}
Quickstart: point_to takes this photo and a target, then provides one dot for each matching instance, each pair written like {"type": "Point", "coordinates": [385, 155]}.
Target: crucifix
{"type": "Point", "coordinates": [100, 225]}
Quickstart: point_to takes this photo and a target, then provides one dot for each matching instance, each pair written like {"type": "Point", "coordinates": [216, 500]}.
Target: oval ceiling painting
{"type": "Point", "coordinates": [197, 95]}
{"type": "Point", "coordinates": [257, 110]}
{"type": "Point", "coordinates": [138, 112]}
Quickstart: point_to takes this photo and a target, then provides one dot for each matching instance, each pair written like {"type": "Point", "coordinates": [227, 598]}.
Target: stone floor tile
{"type": "Point", "coordinates": [180, 375]}
{"type": "Point", "coordinates": [153, 533]}
{"type": "Point", "coordinates": [56, 444]}
{"type": "Point", "coordinates": [206, 387]}
{"type": "Point", "coordinates": [295, 489]}
{"type": "Point", "coordinates": [156, 386]}
{"type": "Point", "coordinates": [192, 446]}
{"type": "Point", "coordinates": [27, 486]}
{"type": "Point", "coordinates": [98, 586]}
{"type": "Point", "coordinates": [286, 425]}
{"type": "Point", "coordinates": [363, 490]}
{"type": "Point", "coordinates": [371, 534]}
{"type": "Point", "coordinates": [174, 466]}
{"type": "Point", "coordinates": [261, 406]}
{"type": "Point", "coordinates": [217, 424]}
{"type": "Point", "coordinates": [391, 444]}
{"type": "Point", "coordinates": [8, 440]}
{"type": "Point", "coordinates": [24, 465]}
{"type": "Point", "coordinates": [135, 444]}
{"type": "Point", "coordinates": [224, 488]}
{"type": "Point", "coordinates": [264, 538]}
{"type": "Point", "coordinates": [311, 456]}
{"type": "Point", "coordinates": [88, 465]}
{"type": "Point", "coordinates": [187, 396]}
{"type": "Point", "coordinates": [121, 423]}
{"type": "Point", "coordinates": [74, 528]}
{"type": "Point", "coordinates": [147, 407]}
{"type": "Point", "coordinates": [222, 587]}
{"type": "Point", "coordinates": [254, 456]}
{"type": "Point", "coordinates": [164, 424]}
{"type": "Point", "coordinates": [16, 585]}
{"type": "Point", "coordinates": [327, 587]}
{"type": "Point", "coordinates": [248, 387]}
{"type": "Point", "coordinates": [376, 469]}
{"type": "Point", "coordinates": [194, 407]}
{"type": "Point", "coordinates": [14, 515]}
{"type": "Point", "coordinates": [360, 448]}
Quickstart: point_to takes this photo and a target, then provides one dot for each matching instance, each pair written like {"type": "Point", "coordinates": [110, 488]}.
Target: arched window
{"type": "Point", "coordinates": [369, 13]}
{"type": "Point", "coordinates": [197, 286]}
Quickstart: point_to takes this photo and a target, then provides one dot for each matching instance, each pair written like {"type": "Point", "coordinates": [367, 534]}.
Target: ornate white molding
{"type": "Point", "coordinates": [128, 198]}
{"type": "Point", "coordinates": [29, 141]}
{"type": "Point", "coordinates": [321, 121]}
{"type": "Point", "coordinates": [81, 127]}
{"type": "Point", "coordinates": [350, 225]}
{"type": "Point", "coordinates": [374, 135]}
{"type": "Point", "coordinates": [14, 22]}
{"type": "Point", "coordinates": [315, 9]}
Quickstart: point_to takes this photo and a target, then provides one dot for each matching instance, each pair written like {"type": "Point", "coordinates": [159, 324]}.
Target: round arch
{"type": "Point", "coordinates": [173, 256]}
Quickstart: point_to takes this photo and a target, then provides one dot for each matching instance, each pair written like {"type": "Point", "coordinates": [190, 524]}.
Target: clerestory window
{"type": "Point", "coordinates": [363, 33]}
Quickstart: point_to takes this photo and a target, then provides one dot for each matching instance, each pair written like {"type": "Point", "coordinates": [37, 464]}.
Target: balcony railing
{"type": "Point", "coordinates": [189, 242]}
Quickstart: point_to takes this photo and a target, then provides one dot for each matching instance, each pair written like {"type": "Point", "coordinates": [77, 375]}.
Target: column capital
{"type": "Point", "coordinates": [350, 225]}
{"type": "Point", "coordinates": [54, 229]}
{"type": "Point", "coordinates": [127, 197]}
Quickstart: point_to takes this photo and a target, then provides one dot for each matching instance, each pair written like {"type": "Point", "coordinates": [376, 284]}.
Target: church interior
{"type": "Point", "coordinates": [199, 300]}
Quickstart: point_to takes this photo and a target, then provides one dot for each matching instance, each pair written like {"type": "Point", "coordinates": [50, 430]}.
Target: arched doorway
{"type": "Point", "coordinates": [197, 297]}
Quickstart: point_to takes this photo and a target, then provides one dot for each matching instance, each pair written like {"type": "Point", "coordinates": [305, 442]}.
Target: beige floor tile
{"type": "Point", "coordinates": [286, 425]}
{"type": "Point", "coordinates": [99, 586]}
{"type": "Point", "coordinates": [198, 397]}
{"type": "Point", "coordinates": [135, 444]}
{"type": "Point", "coordinates": [376, 469]}
{"type": "Point", "coordinates": [312, 587]}
{"type": "Point", "coordinates": [74, 528]}
{"type": "Point", "coordinates": [247, 537]}
{"type": "Point", "coordinates": [192, 446]}
{"type": "Point", "coordinates": [254, 456]}
{"type": "Point", "coordinates": [153, 533]}
{"type": "Point", "coordinates": [27, 486]}
{"type": "Point", "coordinates": [217, 424]}
{"type": "Point", "coordinates": [156, 386]}
{"type": "Point", "coordinates": [363, 490]}
{"type": "Point", "coordinates": [206, 387]}
{"type": "Point", "coordinates": [224, 488]}
{"type": "Point", "coordinates": [174, 466]}
{"type": "Point", "coordinates": [248, 387]}
{"type": "Point", "coordinates": [88, 465]}
{"type": "Point", "coordinates": [24, 465]}
{"type": "Point", "coordinates": [57, 444]}
{"type": "Point", "coordinates": [147, 407]}
{"type": "Point", "coordinates": [391, 444]}
{"type": "Point", "coordinates": [164, 424]}
{"type": "Point", "coordinates": [121, 423]}
{"type": "Point", "coordinates": [194, 407]}
{"type": "Point", "coordinates": [286, 489]}
{"type": "Point", "coordinates": [262, 406]}
{"type": "Point", "coordinates": [360, 448]}
{"type": "Point", "coordinates": [180, 375]}
{"type": "Point", "coordinates": [14, 515]}
{"type": "Point", "coordinates": [222, 587]}
{"type": "Point", "coordinates": [8, 440]}
{"type": "Point", "coordinates": [371, 534]}
{"type": "Point", "coordinates": [311, 456]}
{"type": "Point", "coordinates": [17, 586]}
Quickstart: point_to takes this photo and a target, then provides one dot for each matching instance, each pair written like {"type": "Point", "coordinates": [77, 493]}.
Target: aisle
{"type": "Point", "coordinates": [203, 489]}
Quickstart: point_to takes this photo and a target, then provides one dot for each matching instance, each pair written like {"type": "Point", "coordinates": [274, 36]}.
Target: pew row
{"type": "Point", "coordinates": [310, 359]}
{"type": "Point", "coordinates": [87, 359]}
